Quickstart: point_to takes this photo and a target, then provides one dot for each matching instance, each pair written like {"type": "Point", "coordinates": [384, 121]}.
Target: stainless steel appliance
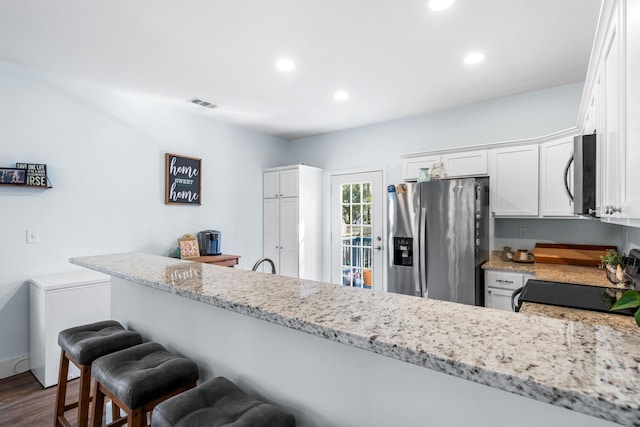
{"type": "Point", "coordinates": [439, 236]}
{"type": "Point", "coordinates": [209, 242]}
{"type": "Point", "coordinates": [584, 175]}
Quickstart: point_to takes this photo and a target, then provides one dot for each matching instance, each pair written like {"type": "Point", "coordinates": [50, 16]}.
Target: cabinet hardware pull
{"type": "Point", "coordinates": [504, 281]}
{"type": "Point", "coordinates": [488, 291]}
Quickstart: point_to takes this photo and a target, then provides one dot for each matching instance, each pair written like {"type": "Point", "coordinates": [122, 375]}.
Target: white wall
{"type": "Point", "coordinates": [104, 152]}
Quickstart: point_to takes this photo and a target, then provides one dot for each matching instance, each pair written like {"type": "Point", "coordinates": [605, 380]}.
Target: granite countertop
{"type": "Point", "coordinates": [576, 365]}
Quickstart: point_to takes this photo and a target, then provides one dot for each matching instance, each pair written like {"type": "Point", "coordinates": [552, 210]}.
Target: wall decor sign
{"type": "Point", "coordinates": [182, 180]}
{"type": "Point", "coordinates": [27, 174]}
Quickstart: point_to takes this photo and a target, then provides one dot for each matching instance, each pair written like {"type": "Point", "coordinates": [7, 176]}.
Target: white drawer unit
{"type": "Point", "coordinates": [499, 286]}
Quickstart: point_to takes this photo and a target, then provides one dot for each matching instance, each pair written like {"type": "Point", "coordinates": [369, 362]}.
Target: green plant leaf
{"type": "Point", "coordinates": [637, 317]}
{"type": "Point", "coordinates": [629, 299]}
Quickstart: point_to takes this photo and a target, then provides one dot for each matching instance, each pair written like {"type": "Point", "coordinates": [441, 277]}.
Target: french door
{"type": "Point", "coordinates": [357, 221]}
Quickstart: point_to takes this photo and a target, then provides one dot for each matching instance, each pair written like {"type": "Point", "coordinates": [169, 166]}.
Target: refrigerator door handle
{"type": "Point", "coordinates": [422, 242]}
{"type": "Point", "coordinates": [416, 251]}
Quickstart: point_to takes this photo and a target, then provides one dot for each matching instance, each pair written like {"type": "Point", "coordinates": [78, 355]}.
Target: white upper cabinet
{"type": "Point", "coordinates": [630, 197]}
{"type": "Point", "coordinates": [611, 106]}
{"type": "Point", "coordinates": [556, 178]}
{"type": "Point", "coordinates": [411, 166]}
{"type": "Point", "coordinates": [280, 183]}
{"type": "Point", "coordinates": [514, 181]}
{"type": "Point", "coordinates": [456, 164]}
{"type": "Point", "coordinates": [465, 163]}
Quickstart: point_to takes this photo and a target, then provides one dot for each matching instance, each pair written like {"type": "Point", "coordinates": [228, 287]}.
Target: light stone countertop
{"type": "Point", "coordinates": [576, 365]}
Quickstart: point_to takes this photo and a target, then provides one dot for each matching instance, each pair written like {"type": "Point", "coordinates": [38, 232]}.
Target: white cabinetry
{"type": "Point", "coordinates": [514, 181]}
{"type": "Point", "coordinates": [611, 105]}
{"type": "Point", "coordinates": [411, 166]}
{"type": "Point", "coordinates": [555, 176]}
{"type": "Point", "coordinates": [292, 220]}
{"type": "Point", "coordinates": [456, 164]}
{"type": "Point", "coordinates": [499, 286]}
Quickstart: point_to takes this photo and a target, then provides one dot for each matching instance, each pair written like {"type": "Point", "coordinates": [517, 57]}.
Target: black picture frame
{"type": "Point", "coordinates": [183, 180]}
{"type": "Point", "coordinates": [13, 176]}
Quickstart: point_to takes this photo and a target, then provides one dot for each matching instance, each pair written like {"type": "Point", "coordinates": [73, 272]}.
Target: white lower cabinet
{"type": "Point", "coordinates": [499, 286]}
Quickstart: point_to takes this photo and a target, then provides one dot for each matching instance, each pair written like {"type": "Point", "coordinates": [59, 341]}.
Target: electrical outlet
{"type": "Point", "coordinates": [32, 236]}
{"type": "Point", "coordinates": [523, 232]}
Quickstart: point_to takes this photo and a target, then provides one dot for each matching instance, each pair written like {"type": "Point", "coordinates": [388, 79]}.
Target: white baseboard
{"type": "Point", "coordinates": [14, 365]}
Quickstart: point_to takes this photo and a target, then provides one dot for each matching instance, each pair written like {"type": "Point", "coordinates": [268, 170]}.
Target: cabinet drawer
{"type": "Point", "coordinates": [504, 280]}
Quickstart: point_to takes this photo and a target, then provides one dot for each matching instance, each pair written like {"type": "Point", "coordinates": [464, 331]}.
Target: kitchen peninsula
{"type": "Point", "coordinates": [338, 356]}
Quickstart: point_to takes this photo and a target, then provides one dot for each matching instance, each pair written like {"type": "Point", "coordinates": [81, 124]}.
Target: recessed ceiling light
{"type": "Point", "coordinates": [285, 64]}
{"type": "Point", "coordinates": [438, 5]}
{"type": "Point", "coordinates": [474, 58]}
{"type": "Point", "coordinates": [341, 95]}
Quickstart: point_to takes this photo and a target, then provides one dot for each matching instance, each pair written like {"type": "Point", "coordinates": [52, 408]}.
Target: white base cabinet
{"type": "Point", "coordinates": [58, 302]}
{"type": "Point", "coordinates": [499, 286]}
{"type": "Point", "coordinates": [292, 221]}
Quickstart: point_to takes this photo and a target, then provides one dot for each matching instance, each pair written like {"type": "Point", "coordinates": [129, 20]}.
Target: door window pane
{"type": "Point", "coordinates": [356, 235]}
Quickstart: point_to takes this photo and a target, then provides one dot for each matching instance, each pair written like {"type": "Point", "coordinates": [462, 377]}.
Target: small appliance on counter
{"type": "Point", "coordinates": [209, 242]}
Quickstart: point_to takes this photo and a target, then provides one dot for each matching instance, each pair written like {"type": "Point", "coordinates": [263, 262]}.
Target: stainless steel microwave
{"type": "Point", "coordinates": [584, 175]}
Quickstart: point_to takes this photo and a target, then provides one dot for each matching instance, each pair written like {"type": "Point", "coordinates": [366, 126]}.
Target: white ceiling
{"type": "Point", "coordinates": [395, 57]}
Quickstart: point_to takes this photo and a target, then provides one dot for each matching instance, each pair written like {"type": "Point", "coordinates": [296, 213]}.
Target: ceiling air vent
{"type": "Point", "coordinates": [202, 103]}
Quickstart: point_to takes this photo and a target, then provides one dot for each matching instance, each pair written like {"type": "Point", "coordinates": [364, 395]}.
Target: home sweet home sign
{"type": "Point", "coordinates": [182, 180]}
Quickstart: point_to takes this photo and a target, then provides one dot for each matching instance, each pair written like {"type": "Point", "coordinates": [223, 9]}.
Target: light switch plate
{"type": "Point", "coordinates": [33, 236]}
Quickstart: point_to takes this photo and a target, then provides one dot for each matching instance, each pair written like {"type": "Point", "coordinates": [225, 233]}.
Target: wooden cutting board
{"type": "Point", "coordinates": [556, 253]}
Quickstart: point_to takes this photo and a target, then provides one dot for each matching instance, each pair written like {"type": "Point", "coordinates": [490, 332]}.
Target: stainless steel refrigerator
{"type": "Point", "coordinates": [439, 239]}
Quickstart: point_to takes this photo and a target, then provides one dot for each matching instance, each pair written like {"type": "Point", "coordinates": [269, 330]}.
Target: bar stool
{"type": "Point", "coordinates": [219, 402]}
{"type": "Point", "coordinates": [81, 345]}
{"type": "Point", "coordinates": [137, 379]}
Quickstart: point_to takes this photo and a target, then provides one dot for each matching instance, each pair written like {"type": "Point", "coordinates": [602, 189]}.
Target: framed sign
{"type": "Point", "coordinates": [182, 180]}
{"type": "Point", "coordinates": [36, 174]}
{"type": "Point", "coordinates": [13, 176]}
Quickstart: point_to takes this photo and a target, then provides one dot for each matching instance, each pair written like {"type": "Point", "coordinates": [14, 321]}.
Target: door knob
{"type": "Point", "coordinates": [378, 248]}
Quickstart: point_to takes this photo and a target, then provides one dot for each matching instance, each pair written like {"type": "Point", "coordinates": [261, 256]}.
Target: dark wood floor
{"type": "Point", "coordinates": [24, 402]}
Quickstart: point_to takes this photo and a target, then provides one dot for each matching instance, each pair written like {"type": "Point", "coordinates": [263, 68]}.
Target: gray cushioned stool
{"type": "Point", "coordinates": [137, 379]}
{"type": "Point", "coordinates": [218, 403]}
{"type": "Point", "coordinates": [82, 345]}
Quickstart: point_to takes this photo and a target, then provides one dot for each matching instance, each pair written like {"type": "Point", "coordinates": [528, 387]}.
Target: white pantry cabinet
{"type": "Point", "coordinates": [556, 178]}
{"type": "Point", "coordinates": [499, 286]}
{"type": "Point", "coordinates": [292, 220]}
{"type": "Point", "coordinates": [514, 180]}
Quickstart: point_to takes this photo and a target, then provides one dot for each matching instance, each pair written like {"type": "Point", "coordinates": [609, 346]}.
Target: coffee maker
{"type": "Point", "coordinates": [209, 242]}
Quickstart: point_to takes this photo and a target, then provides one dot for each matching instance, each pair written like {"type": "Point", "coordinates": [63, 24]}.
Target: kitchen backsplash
{"type": "Point", "coordinates": [525, 233]}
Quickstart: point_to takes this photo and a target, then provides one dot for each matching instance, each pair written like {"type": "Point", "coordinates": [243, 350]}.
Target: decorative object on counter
{"type": "Point", "coordinates": [558, 253]}
{"type": "Point", "coordinates": [188, 245]}
{"type": "Point", "coordinates": [437, 172]}
{"type": "Point", "coordinates": [610, 263]}
{"type": "Point", "coordinates": [523, 255]}
{"type": "Point", "coordinates": [182, 180]}
{"type": "Point", "coordinates": [424, 175]}
{"type": "Point", "coordinates": [26, 174]}
{"type": "Point", "coordinates": [507, 255]}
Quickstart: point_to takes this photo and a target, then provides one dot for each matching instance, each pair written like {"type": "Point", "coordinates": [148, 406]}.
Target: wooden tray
{"type": "Point", "coordinates": [584, 255]}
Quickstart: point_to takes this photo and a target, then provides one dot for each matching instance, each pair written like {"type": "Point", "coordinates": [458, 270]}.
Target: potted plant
{"type": "Point", "coordinates": [630, 299]}
{"type": "Point", "coordinates": [611, 263]}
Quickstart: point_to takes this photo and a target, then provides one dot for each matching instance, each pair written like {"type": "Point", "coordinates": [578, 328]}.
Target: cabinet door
{"type": "Point", "coordinates": [503, 279]}
{"type": "Point", "coordinates": [514, 181]}
{"type": "Point", "coordinates": [289, 247]}
{"type": "Point", "coordinates": [612, 97]}
{"type": "Point", "coordinates": [631, 195]}
{"type": "Point", "coordinates": [498, 298]}
{"type": "Point", "coordinates": [554, 158]}
{"type": "Point", "coordinates": [271, 226]}
{"type": "Point", "coordinates": [271, 184]}
{"type": "Point", "coordinates": [289, 183]}
{"type": "Point", "coordinates": [411, 167]}
{"type": "Point", "coordinates": [468, 163]}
